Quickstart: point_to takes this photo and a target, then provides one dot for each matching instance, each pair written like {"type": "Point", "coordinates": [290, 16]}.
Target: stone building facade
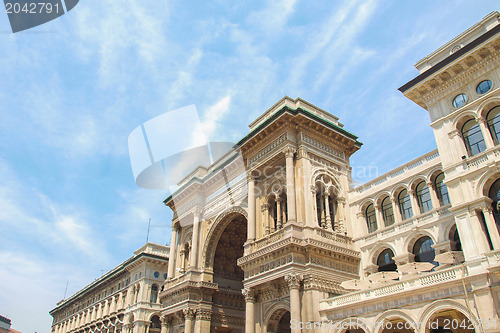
{"type": "Point", "coordinates": [263, 238]}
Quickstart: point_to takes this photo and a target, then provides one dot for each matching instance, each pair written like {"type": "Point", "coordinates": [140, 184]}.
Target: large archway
{"type": "Point", "coordinates": [225, 247]}
{"type": "Point", "coordinates": [279, 321]}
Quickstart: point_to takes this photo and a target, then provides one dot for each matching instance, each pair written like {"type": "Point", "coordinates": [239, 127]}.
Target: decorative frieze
{"type": "Point", "coordinates": [267, 149]}
{"type": "Point", "coordinates": [321, 146]}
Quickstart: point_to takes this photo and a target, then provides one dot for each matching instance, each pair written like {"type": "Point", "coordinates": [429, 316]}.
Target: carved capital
{"type": "Point", "coordinates": [481, 120]}
{"type": "Point", "coordinates": [360, 215]}
{"type": "Point", "coordinates": [289, 151]}
{"type": "Point", "coordinates": [294, 280]}
{"type": "Point", "coordinates": [313, 189]}
{"type": "Point", "coordinates": [251, 178]}
{"type": "Point", "coordinates": [264, 207]}
{"type": "Point", "coordinates": [189, 313]}
{"type": "Point", "coordinates": [249, 295]}
{"type": "Point", "coordinates": [204, 314]}
{"type": "Point", "coordinates": [431, 185]}
{"type": "Point", "coordinates": [302, 153]}
{"type": "Point", "coordinates": [341, 200]}
{"type": "Point", "coordinates": [197, 211]}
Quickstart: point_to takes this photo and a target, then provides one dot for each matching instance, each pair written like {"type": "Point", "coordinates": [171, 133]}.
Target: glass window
{"type": "Point", "coordinates": [154, 293]}
{"type": "Point", "coordinates": [456, 244]}
{"type": "Point", "coordinates": [493, 119]}
{"type": "Point", "coordinates": [423, 250]}
{"type": "Point", "coordinates": [459, 100]}
{"type": "Point", "coordinates": [165, 276]}
{"type": "Point", "coordinates": [385, 262]}
{"type": "Point", "coordinates": [424, 197]}
{"type": "Point", "coordinates": [371, 219]}
{"type": "Point", "coordinates": [387, 212]}
{"type": "Point", "coordinates": [442, 190]}
{"type": "Point", "coordinates": [494, 194]}
{"type": "Point", "coordinates": [156, 274]}
{"type": "Point", "coordinates": [483, 87]}
{"type": "Point", "coordinates": [473, 138]}
{"type": "Point", "coordinates": [405, 205]}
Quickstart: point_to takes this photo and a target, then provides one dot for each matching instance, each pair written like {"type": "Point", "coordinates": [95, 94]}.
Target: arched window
{"type": "Point", "coordinates": [423, 250]}
{"type": "Point", "coordinates": [405, 205]}
{"type": "Point", "coordinates": [493, 119]}
{"type": "Point", "coordinates": [473, 138]}
{"type": "Point", "coordinates": [385, 262]}
{"type": "Point", "coordinates": [371, 218]}
{"type": "Point", "coordinates": [494, 194]}
{"type": "Point", "coordinates": [456, 244]}
{"type": "Point", "coordinates": [423, 197]}
{"type": "Point", "coordinates": [154, 293]}
{"type": "Point", "coordinates": [387, 212]}
{"type": "Point", "coordinates": [442, 190]}
{"type": "Point", "coordinates": [155, 325]}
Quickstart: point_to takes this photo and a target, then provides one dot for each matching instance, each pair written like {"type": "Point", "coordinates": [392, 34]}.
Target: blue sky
{"type": "Point", "coordinates": [73, 89]}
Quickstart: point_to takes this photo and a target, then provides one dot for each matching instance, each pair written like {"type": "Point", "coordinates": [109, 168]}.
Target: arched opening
{"type": "Point", "coordinates": [327, 202]}
{"type": "Point", "coordinates": [371, 218]}
{"type": "Point", "coordinates": [155, 325]}
{"type": "Point", "coordinates": [387, 212]}
{"type": "Point", "coordinates": [423, 250]}
{"type": "Point", "coordinates": [456, 244]}
{"type": "Point", "coordinates": [423, 197]}
{"type": "Point", "coordinates": [473, 138]}
{"type": "Point", "coordinates": [385, 261]}
{"type": "Point", "coordinates": [397, 325]}
{"type": "Point", "coordinates": [404, 201]}
{"type": "Point", "coordinates": [231, 234]}
{"type": "Point", "coordinates": [154, 293]}
{"type": "Point", "coordinates": [279, 322]}
{"type": "Point", "coordinates": [493, 119]}
{"type": "Point", "coordinates": [442, 190]}
{"type": "Point", "coordinates": [494, 194]}
{"type": "Point", "coordinates": [277, 210]}
{"type": "Point", "coordinates": [449, 321]}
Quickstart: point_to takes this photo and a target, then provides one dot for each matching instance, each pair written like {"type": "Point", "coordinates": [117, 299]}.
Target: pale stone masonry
{"type": "Point", "coordinates": [263, 239]}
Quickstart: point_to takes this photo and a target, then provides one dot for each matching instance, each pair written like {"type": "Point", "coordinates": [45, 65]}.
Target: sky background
{"type": "Point", "coordinates": [72, 90]}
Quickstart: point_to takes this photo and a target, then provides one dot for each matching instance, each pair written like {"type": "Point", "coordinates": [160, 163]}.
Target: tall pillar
{"type": "Point", "coordinates": [164, 324]}
{"type": "Point", "coordinates": [196, 238]}
{"type": "Point", "coordinates": [339, 221]}
{"type": "Point", "coordinates": [492, 227]}
{"type": "Point", "coordinates": [188, 320]}
{"type": "Point", "coordinates": [488, 140]}
{"type": "Point", "coordinates": [311, 222]}
{"type": "Point", "coordinates": [322, 211]}
{"type": "Point", "coordinates": [433, 193]}
{"type": "Point", "coordinates": [279, 224]}
{"type": "Point", "coordinates": [203, 320]}
{"type": "Point", "coordinates": [173, 247]}
{"type": "Point", "coordinates": [328, 219]}
{"type": "Point", "coordinates": [395, 210]}
{"type": "Point", "coordinates": [293, 281]}
{"type": "Point", "coordinates": [249, 310]}
{"type": "Point", "coordinates": [251, 208]}
{"type": "Point", "coordinates": [478, 232]}
{"type": "Point", "coordinates": [265, 211]}
{"type": "Point", "coordinates": [458, 147]}
{"type": "Point", "coordinates": [290, 184]}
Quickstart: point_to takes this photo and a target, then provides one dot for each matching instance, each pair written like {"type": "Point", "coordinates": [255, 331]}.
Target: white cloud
{"type": "Point", "coordinates": [215, 113]}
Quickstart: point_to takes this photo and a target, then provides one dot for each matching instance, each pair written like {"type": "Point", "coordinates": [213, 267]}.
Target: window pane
{"type": "Point", "coordinates": [473, 137]}
{"type": "Point", "coordinates": [423, 250]}
{"type": "Point", "coordinates": [494, 123]}
{"type": "Point", "coordinates": [459, 100]}
{"type": "Point", "coordinates": [387, 212]}
{"type": "Point", "coordinates": [405, 205]}
{"type": "Point", "coordinates": [371, 219]}
{"type": "Point", "coordinates": [483, 87]}
{"type": "Point", "coordinates": [442, 190]}
{"type": "Point", "coordinates": [424, 197]}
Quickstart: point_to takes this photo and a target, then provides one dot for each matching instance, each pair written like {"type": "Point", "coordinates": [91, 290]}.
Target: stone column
{"type": "Point", "coordinates": [251, 208]}
{"type": "Point", "coordinates": [380, 217]}
{"type": "Point", "coordinates": [395, 210]}
{"type": "Point", "coordinates": [362, 224]}
{"type": "Point", "coordinates": [279, 224]}
{"type": "Point", "coordinates": [265, 211]}
{"type": "Point", "coordinates": [433, 193]}
{"type": "Point", "coordinates": [188, 317]}
{"type": "Point", "coordinates": [293, 281]}
{"type": "Point", "coordinates": [203, 320]}
{"type": "Point", "coordinates": [315, 208]}
{"type": "Point", "coordinates": [290, 184]}
{"type": "Point", "coordinates": [328, 218]}
{"type": "Point", "coordinates": [339, 222]}
{"type": "Point", "coordinates": [458, 145]}
{"type": "Point", "coordinates": [173, 248]}
{"type": "Point", "coordinates": [491, 226]}
{"type": "Point", "coordinates": [322, 211]}
{"type": "Point", "coordinates": [164, 324]}
{"type": "Point", "coordinates": [112, 306]}
{"type": "Point", "coordinates": [249, 310]}
{"type": "Point", "coordinates": [196, 238]}
{"type": "Point", "coordinates": [488, 140]}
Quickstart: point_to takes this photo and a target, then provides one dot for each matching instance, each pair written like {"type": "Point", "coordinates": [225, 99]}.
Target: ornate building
{"type": "Point", "coordinates": [269, 237]}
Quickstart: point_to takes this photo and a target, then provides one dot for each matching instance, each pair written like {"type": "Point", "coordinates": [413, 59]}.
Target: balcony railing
{"type": "Point", "coordinates": [420, 281]}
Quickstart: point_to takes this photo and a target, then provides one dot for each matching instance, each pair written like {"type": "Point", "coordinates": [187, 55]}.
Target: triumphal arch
{"type": "Point", "coordinates": [262, 235]}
